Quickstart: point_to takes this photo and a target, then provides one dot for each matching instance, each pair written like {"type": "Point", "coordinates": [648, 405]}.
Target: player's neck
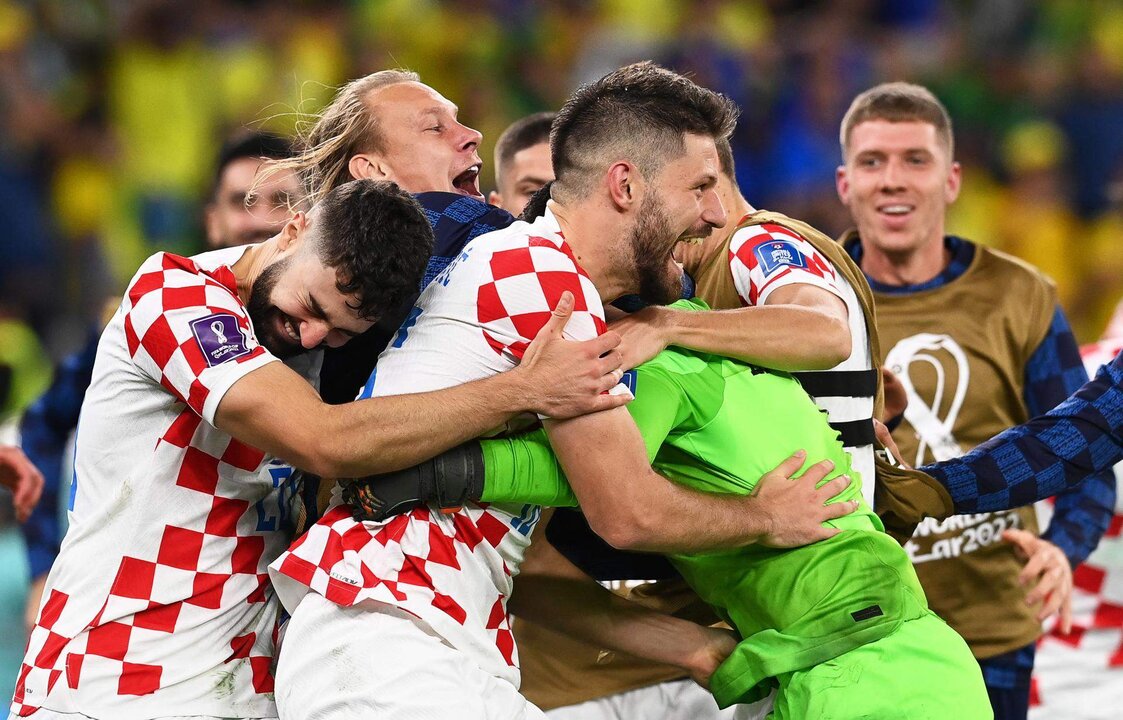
{"type": "Point", "coordinates": [594, 236]}
{"type": "Point", "coordinates": [248, 267]}
{"type": "Point", "coordinates": [912, 266]}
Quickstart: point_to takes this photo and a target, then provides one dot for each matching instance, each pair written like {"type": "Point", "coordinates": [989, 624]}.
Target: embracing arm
{"type": "Point", "coordinates": [800, 327]}
{"type": "Point", "coordinates": [1081, 436]}
{"type": "Point", "coordinates": [273, 409]}
{"type": "Point", "coordinates": [632, 507]}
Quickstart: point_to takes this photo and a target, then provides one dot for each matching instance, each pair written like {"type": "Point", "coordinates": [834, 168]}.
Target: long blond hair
{"type": "Point", "coordinates": [346, 127]}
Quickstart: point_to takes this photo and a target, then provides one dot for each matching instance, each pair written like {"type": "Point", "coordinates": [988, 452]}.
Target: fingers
{"type": "Point", "coordinates": [1066, 614]}
{"type": "Point", "coordinates": [1035, 566]}
{"type": "Point", "coordinates": [603, 343]}
{"type": "Point", "coordinates": [610, 361]}
{"type": "Point", "coordinates": [818, 471]}
{"type": "Point", "coordinates": [790, 466]}
{"type": "Point", "coordinates": [1050, 580]}
{"type": "Point", "coordinates": [27, 494]}
{"type": "Point", "coordinates": [560, 315]}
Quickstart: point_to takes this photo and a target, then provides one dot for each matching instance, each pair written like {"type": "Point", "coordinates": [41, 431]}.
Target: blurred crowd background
{"type": "Point", "coordinates": [112, 111]}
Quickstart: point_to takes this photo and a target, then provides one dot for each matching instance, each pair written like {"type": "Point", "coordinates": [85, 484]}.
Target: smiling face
{"type": "Point", "coordinates": [897, 182]}
{"type": "Point", "coordinates": [295, 306]}
{"type": "Point", "coordinates": [680, 205]}
{"type": "Point", "coordinates": [425, 148]}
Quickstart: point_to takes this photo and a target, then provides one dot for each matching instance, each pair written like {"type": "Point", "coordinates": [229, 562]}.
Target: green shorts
{"type": "Point", "coordinates": [922, 671]}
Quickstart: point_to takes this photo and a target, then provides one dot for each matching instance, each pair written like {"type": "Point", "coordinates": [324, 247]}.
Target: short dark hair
{"type": "Point", "coordinates": [376, 237]}
{"type": "Point", "coordinates": [898, 102]}
{"type": "Point", "coordinates": [257, 144]}
{"type": "Point", "coordinates": [725, 157]}
{"type": "Point", "coordinates": [641, 112]}
{"type": "Point", "coordinates": [519, 135]}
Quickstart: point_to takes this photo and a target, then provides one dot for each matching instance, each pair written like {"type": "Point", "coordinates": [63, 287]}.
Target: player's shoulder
{"type": "Point", "coordinates": [754, 233]}
{"type": "Point", "coordinates": [173, 281]}
{"type": "Point", "coordinates": [1014, 273]}
{"type": "Point", "coordinates": [458, 219]}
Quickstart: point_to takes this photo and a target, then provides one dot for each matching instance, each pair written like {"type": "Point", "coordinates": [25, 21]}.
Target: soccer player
{"type": "Point", "coordinates": [842, 626]}
{"type": "Point", "coordinates": [788, 298]}
{"type": "Point", "coordinates": [233, 216]}
{"type": "Point", "coordinates": [390, 126]}
{"type": "Point", "coordinates": [159, 603]}
{"type": "Point", "coordinates": [636, 165]}
{"type": "Point", "coordinates": [979, 343]}
{"type": "Point", "coordinates": [522, 162]}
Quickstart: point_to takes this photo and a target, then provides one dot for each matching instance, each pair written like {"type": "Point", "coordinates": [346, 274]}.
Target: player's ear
{"type": "Point", "coordinates": [368, 166]}
{"type": "Point", "coordinates": [293, 231]}
{"type": "Point", "coordinates": [624, 185]}
{"type": "Point", "coordinates": [494, 198]}
{"type": "Point", "coordinates": [842, 184]}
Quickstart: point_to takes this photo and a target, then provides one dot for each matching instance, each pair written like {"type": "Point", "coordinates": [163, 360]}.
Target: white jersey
{"type": "Point", "coordinates": [766, 257]}
{"type": "Point", "coordinates": [159, 603]}
{"type": "Point", "coordinates": [452, 570]}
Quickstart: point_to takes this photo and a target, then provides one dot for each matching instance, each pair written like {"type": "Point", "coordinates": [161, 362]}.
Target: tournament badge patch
{"type": "Point", "coordinates": [776, 254]}
{"type": "Point", "coordinates": [219, 338]}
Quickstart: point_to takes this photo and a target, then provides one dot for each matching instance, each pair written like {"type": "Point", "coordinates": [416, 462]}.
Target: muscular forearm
{"type": "Point", "coordinates": [633, 507]}
{"type": "Point", "coordinates": [783, 337]}
{"type": "Point", "coordinates": [280, 414]}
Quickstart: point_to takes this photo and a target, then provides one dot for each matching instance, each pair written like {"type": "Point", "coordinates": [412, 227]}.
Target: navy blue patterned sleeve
{"type": "Point", "coordinates": [1082, 513]}
{"type": "Point", "coordinates": [44, 430]}
{"type": "Point", "coordinates": [1079, 440]}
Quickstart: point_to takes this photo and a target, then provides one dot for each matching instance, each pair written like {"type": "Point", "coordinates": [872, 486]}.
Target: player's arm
{"type": "Point", "coordinates": [632, 507]}
{"type": "Point", "coordinates": [1081, 514]}
{"type": "Point", "coordinates": [1058, 450]}
{"type": "Point", "coordinates": [273, 409]}
{"type": "Point", "coordinates": [553, 592]}
{"type": "Point", "coordinates": [799, 327]}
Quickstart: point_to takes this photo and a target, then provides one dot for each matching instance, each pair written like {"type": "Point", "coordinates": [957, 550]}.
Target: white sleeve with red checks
{"type": "Point", "coordinates": [523, 287]}
{"type": "Point", "coordinates": [766, 257]}
{"type": "Point", "coordinates": [189, 332]}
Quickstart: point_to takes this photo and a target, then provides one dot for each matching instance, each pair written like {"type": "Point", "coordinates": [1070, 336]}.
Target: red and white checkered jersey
{"type": "Point", "coordinates": [159, 603]}
{"type": "Point", "coordinates": [766, 257]}
{"type": "Point", "coordinates": [453, 571]}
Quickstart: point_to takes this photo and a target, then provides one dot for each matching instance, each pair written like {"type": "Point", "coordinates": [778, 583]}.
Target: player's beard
{"type": "Point", "coordinates": [651, 243]}
{"type": "Point", "coordinates": [266, 317]}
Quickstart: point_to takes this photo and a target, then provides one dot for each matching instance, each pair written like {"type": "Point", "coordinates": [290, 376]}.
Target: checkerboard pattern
{"type": "Point", "coordinates": [164, 300]}
{"type": "Point", "coordinates": [452, 571]}
{"type": "Point", "coordinates": [524, 287]}
{"type": "Point", "coordinates": [1079, 676]}
{"type": "Point", "coordinates": [754, 284]}
{"type": "Point", "coordinates": [163, 586]}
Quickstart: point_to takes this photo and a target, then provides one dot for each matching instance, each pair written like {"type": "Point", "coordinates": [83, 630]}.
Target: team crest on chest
{"type": "Point", "coordinates": [775, 254]}
{"type": "Point", "coordinates": [219, 338]}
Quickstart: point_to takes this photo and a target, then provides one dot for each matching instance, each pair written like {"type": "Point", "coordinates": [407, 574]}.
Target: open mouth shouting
{"type": "Point", "coordinates": [468, 181]}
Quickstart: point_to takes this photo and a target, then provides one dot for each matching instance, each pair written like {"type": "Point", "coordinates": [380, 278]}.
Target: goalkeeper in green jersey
{"type": "Point", "coordinates": [841, 627]}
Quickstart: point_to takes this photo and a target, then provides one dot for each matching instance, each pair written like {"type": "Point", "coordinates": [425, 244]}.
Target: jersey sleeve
{"type": "Point", "coordinates": [521, 290]}
{"type": "Point", "coordinates": [658, 407]}
{"type": "Point", "coordinates": [188, 332]}
{"type": "Point", "coordinates": [765, 257]}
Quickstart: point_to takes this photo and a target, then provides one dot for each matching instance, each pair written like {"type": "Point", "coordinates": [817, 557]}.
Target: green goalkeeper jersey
{"type": "Point", "coordinates": [718, 425]}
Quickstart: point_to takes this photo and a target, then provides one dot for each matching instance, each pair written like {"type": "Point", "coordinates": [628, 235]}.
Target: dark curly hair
{"type": "Point", "coordinates": [376, 237]}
